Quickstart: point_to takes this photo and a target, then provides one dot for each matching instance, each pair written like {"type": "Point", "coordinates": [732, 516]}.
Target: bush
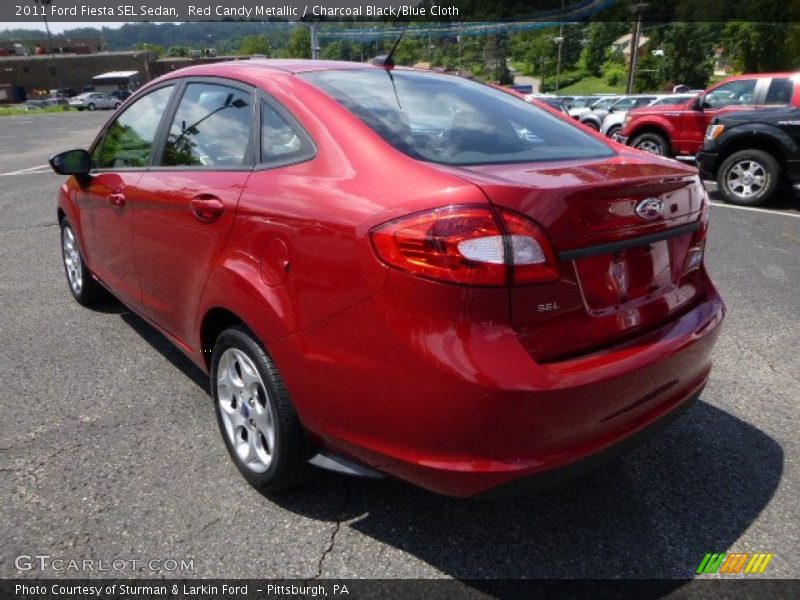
{"type": "Point", "coordinates": [566, 79]}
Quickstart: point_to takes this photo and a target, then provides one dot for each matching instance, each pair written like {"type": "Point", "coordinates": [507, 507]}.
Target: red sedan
{"type": "Point", "coordinates": [397, 272]}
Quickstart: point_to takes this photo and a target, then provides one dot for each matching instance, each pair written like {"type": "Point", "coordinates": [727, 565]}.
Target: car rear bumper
{"type": "Point", "coordinates": [461, 407]}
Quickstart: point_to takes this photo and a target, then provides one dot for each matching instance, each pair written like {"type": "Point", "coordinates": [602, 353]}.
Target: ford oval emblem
{"type": "Point", "coordinates": [650, 208]}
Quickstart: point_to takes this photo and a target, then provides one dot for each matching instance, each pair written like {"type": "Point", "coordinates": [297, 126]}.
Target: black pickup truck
{"type": "Point", "coordinates": [752, 154]}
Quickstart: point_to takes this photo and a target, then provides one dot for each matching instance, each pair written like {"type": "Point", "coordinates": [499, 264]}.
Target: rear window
{"type": "Point", "coordinates": [449, 120]}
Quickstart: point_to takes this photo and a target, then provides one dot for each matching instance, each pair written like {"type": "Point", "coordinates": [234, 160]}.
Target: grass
{"type": "Point", "coordinates": [592, 85]}
{"type": "Point", "coordinates": [9, 111]}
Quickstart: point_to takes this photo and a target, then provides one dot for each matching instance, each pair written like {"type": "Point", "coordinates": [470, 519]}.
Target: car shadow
{"type": "Point", "coordinates": [164, 347]}
{"type": "Point", "coordinates": [653, 513]}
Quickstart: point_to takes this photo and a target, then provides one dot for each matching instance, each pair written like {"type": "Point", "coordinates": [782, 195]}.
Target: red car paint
{"type": "Point", "coordinates": [684, 125]}
{"type": "Point", "coordinates": [458, 388]}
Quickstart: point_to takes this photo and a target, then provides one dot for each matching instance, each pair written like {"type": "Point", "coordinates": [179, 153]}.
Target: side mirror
{"type": "Point", "coordinates": [72, 162]}
{"type": "Point", "coordinates": [701, 103]}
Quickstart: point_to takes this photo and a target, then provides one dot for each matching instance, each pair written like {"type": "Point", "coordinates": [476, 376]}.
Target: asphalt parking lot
{"type": "Point", "coordinates": [110, 449]}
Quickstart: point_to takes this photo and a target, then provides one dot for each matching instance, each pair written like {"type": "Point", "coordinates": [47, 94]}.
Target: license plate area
{"type": "Point", "coordinates": [624, 278]}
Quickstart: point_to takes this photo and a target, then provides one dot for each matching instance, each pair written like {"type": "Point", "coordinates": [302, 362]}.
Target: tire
{"type": "Point", "coordinates": [117, 105]}
{"type": "Point", "coordinates": [591, 125]}
{"type": "Point", "coordinates": [654, 143]}
{"type": "Point", "coordinates": [252, 408]}
{"type": "Point", "coordinates": [748, 178]}
{"type": "Point", "coordinates": [612, 131]}
{"type": "Point", "coordinates": [81, 283]}
{"type": "Point", "coordinates": [91, 107]}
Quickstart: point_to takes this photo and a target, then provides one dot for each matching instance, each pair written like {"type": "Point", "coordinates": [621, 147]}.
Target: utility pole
{"type": "Point", "coordinates": [314, 42]}
{"type": "Point", "coordinates": [637, 10]}
{"type": "Point", "coordinates": [560, 41]}
{"type": "Point", "coordinates": [45, 4]}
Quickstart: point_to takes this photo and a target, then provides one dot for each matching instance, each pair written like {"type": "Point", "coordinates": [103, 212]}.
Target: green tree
{"type": "Point", "coordinates": [599, 37]}
{"type": "Point", "coordinates": [147, 47]}
{"type": "Point", "coordinates": [687, 55]}
{"type": "Point", "coordinates": [178, 51]}
{"type": "Point", "coordinates": [299, 44]}
{"type": "Point", "coordinates": [255, 44]}
{"type": "Point", "coordinates": [759, 46]}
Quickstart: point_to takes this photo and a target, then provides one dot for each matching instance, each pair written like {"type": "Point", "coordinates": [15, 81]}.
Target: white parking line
{"type": "Point", "coordinates": [23, 171]}
{"type": "Point", "coordinates": [754, 209]}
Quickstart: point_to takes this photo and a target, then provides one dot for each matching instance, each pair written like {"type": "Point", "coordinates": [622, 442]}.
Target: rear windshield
{"type": "Point", "coordinates": [450, 120]}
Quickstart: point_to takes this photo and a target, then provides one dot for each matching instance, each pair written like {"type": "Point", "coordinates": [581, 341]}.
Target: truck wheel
{"type": "Point", "coordinates": [654, 143]}
{"type": "Point", "coordinates": [748, 177]}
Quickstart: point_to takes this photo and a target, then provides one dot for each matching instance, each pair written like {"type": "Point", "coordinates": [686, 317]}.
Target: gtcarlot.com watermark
{"type": "Point", "coordinates": [46, 562]}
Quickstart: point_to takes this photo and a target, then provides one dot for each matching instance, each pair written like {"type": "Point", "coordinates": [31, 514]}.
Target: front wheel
{"type": "Point", "coordinates": [748, 177]}
{"type": "Point", "coordinates": [591, 125]}
{"type": "Point", "coordinates": [261, 430]}
{"type": "Point", "coordinates": [91, 107]}
{"type": "Point", "coordinates": [613, 132]}
{"type": "Point", "coordinates": [654, 143]}
{"type": "Point", "coordinates": [83, 286]}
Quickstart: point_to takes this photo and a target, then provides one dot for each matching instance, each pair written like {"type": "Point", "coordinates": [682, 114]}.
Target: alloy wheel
{"type": "Point", "coordinates": [746, 179]}
{"type": "Point", "coordinates": [72, 260]}
{"type": "Point", "coordinates": [246, 410]}
{"type": "Point", "coordinates": [650, 146]}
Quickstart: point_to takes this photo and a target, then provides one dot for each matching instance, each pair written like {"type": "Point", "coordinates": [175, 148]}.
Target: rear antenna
{"type": "Point", "coordinates": [386, 61]}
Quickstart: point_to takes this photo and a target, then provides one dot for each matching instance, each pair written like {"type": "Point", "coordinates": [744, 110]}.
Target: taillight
{"type": "Point", "coordinates": [471, 245]}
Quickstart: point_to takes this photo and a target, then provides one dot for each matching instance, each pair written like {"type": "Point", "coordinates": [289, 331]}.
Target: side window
{"type": "Point", "coordinates": [732, 94]}
{"type": "Point", "coordinates": [128, 141]}
{"type": "Point", "coordinates": [780, 92]}
{"type": "Point", "coordinates": [282, 140]}
{"type": "Point", "coordinates": [212, 128]}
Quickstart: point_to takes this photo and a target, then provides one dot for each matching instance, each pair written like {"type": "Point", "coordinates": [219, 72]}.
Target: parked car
{"type": "Point", "coordinates": [750, 154]}
{"type": "Point", "coordinates": [580, 102]}
{"type": "Point", "coordinates": [397, 272]}
{"type": "Point", "coordinates": [612, 124]}
{"type": "Point", "coordinates": [600, 103]}
{"type": "Point", "coordinates": [555, 102]}
{"type": "Point", "coordinates": [595, 117]}
{"type": "Point", "coordinates": [678, 131]}
{"type": "Point", "coordinates": [121, 94]}
{"type": "Point", "coordinates": [94, 100]}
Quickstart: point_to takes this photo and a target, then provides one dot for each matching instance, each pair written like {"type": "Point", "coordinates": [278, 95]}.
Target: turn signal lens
{"type": "Point", "coordinates": [470, 245]}
{"type": "Point", "coordinates": [714, 131]}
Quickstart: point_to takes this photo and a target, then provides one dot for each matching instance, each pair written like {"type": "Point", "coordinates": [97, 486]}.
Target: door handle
{"type": "Point", "coordinates": [117, 199]}
{"type": "Point", "coordinates": [206, 208]}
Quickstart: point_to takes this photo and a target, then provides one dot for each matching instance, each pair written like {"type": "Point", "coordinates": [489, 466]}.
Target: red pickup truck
{"type": "Point", "coordinates": [678, 130]}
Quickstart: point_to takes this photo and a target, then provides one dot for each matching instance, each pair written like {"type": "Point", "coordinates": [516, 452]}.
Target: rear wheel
{"type": "Point", "coordinates": [261, 430]}
{"type": "Point", "coordinates": [592, 125]}
{"type": "Point", "coordinates": [654, 143]}
{"type": "Point", "coordinates": [748, 177]}
{"type": "Point", "coordinates": [83, 286]}
{"type": "Point", "coordinates": [117, 105]}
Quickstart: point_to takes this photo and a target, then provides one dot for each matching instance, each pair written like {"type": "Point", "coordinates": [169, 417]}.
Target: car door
{"type": "Point", "coordinates": [739, 94]}
{"type": "Point", "coordinates": [190, 197]}
{"type": "Point", "coordinates": [106, 202]}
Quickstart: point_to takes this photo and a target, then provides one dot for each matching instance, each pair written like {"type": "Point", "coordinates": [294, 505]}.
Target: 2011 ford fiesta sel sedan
{"type": "Point", "coordinates": [397, 272]}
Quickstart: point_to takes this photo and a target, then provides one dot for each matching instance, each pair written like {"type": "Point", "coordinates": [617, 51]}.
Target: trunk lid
{"type": "Point", "coordinates": [623, 272]}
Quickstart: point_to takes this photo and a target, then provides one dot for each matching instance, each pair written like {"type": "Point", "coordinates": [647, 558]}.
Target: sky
{"type": "Point", "coordinates": [57, 27]}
